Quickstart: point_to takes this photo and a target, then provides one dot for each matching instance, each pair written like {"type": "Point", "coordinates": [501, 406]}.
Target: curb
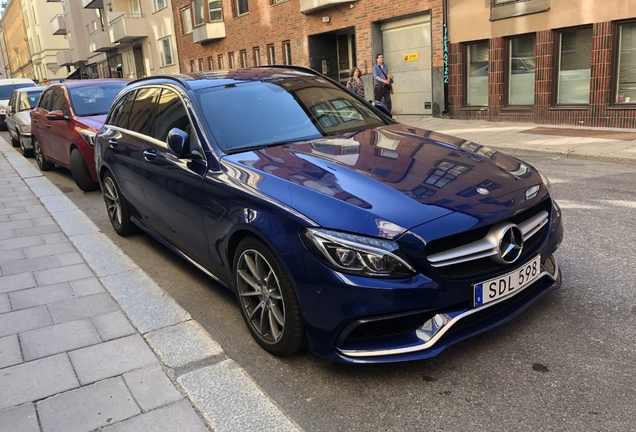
{"type": "Point", "coordinates": [223, 394]}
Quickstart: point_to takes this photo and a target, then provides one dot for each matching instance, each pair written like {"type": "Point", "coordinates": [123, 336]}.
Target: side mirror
{"type": "Point", "coordinates": [178, 141]}
{"type": "Point", "coordinates": [383, 108]}
{"type": "Point", "coordinates": [56, 115]}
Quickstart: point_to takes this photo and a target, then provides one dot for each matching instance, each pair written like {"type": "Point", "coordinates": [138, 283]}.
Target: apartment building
{"type": "Point", "coordinates": [331, 36]}
{"type": "Point", "coordinates": [547, 61]}
{"type": "Point", "coordinates": [129, 38]}
{"type": "Point", "coordinates": [30, 55]}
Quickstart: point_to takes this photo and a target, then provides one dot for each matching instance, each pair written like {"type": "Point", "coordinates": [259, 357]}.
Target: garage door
{"type": "Point", "coordinates": [407, 53]}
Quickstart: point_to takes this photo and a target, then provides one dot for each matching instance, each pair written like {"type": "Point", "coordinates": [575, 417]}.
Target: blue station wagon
{"type": "Point", "coordinates": [338, 228]}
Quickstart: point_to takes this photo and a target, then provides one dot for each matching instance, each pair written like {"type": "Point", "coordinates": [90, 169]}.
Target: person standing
{"type": "Point", "coordinates": [354, 83]}
{"type": "Point", "coordinates": [381, 82]}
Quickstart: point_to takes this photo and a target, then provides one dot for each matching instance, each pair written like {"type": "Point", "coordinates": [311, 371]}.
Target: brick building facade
{"type": "Point", "coordinates": [330, 36]}
{"type": "Point", "coordinates": [581, 68]}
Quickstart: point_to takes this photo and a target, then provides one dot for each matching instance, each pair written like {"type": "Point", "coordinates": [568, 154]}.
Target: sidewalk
{"type": "Point", "coordinates": [89, 341]}
{"type": "Point", "coordinates": [601, 144]}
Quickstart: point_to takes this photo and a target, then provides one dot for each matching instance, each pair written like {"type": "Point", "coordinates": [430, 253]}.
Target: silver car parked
{"type": "Point", "coordinates": [18, 119]}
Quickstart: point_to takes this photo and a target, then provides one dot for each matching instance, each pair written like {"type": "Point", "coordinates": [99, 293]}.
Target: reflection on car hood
{"type": "Point", "coordinates": [386, 180]}
{"type": "Point", "coordinates": [95, 122]}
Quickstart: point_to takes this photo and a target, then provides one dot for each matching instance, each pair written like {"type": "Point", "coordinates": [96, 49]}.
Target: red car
{"type": "Point", "coordinates": [64, 124]}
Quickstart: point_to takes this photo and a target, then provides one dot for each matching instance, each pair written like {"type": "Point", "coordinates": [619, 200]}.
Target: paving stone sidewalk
{"type": "Point", "coordinates": [89, 342]}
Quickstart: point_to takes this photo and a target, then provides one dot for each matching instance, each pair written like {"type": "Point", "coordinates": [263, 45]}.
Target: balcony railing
{"type": "Point", "coordinates": [124, 27]}
{"type": "Point", "coordinates": [209, 31]}
{"type": "Point", "coordinates": [99, 41]}
{"type": "Point", "coordinates": [309, 6]}
{"type": "Point", "coordinates": [64, 58]}
{"type": "Point", "coordinates": [93, 4]}
{"type": "Point", "coordinates": [58, 25]}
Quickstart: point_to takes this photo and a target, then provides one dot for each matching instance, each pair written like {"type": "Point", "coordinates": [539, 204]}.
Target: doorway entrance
{"type": "Point", "coordinates": [139, 62]}
{"type": "Point", "coordinates": [334, 53]}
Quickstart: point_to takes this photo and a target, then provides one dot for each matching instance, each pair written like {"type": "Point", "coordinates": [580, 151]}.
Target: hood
{"type": "Point", "coordinates": [386, 180]}
{"type": "Point", "coordinates": [95, 122]}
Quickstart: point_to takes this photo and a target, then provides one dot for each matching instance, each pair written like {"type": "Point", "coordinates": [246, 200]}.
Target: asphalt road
{"type": "Point", "coordinates": [567, 364]}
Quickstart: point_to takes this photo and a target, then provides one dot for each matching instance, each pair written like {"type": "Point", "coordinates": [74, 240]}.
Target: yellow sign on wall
{"type": "Point", "coordinates": [411, 57]}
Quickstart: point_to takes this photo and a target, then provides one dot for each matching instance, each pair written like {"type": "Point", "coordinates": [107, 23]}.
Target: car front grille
{"type": "Point", "coordinates": [481, 266]}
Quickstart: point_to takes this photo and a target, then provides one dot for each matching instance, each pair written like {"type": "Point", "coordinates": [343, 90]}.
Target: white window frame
{"type": "Point", "coordinates": [197, 5]}
{"type": "Point", "coordinates": [163, 55]}
{"type": "Point", "coordinates": [287, 52]}
{"type": "Point", "coordinates": [271, 55]}
{"type": "Point", "coordinates": [156, 5]}
{"type": "Point", "coordinates": [215, 9]}
{"type": "Point", "coordinates": [186, 20]}
{"type": "Point", "coordinates": [238, 9]}
{"type": "Point", "coordinates": [243, 58]}
{"type": "Point", "coordinates": [257, 56]}
{"type": "Point", "coordinates": [231, 60]}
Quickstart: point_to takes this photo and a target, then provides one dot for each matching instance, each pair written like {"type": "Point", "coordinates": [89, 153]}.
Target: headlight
{"type": "Point", "coordinates": [546, 182]}
{"type": "Point", "coordinates": [25, 129]}
{"type": "Point", "coordinates": [357, 255]}
{"type": "Point", "coordinates": [89, 137]}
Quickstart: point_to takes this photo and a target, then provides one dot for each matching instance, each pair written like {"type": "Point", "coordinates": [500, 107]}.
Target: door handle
{"type": "Point", "coordinates": [112, 143]}
{"type": "Point", "coordinates": [48, 125]}
{"type": "Point", "coordinates": [149, 155]}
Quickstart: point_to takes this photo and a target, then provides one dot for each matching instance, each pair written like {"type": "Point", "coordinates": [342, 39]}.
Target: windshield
{"type": "Point", "coordinates": [7, 90]}
{"type": "Point", "coordinates": [29, 100]}
{"type": "Point", "coordinates": [94, 99]}
{"type": "Point", "coordinates": [250, 114]}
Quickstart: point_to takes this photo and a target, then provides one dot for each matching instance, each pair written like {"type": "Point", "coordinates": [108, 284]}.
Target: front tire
{"type": "Point", "coordinates": [14, 142]}
{"type": "Point", "coordinates": [26, 153]}
{"type": "Point", "coordinates": [267, 299]}
{"type": "Point", "coordinates": [80, 172]}
{"type": "Point", "coordinates": [43, 164]}
{"type": "Point", "coordinates": [117, 207]}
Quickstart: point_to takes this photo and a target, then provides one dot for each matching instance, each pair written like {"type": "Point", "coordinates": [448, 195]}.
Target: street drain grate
{"type": "Point", "coordinates": [583, 133]}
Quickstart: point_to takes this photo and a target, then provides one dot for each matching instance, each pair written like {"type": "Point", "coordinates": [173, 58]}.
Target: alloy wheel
{"type": "Point", "coordinates": [113, 204]}
{"type": "Point", "coordinates": [260, 296]}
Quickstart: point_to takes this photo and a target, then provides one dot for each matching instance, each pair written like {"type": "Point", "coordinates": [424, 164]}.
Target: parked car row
{"type": "Point", "coordinates": [336, 227]}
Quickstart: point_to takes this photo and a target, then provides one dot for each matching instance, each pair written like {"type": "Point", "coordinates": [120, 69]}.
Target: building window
{"type": "Point", "coordinates": [230, 56]}
{"type": "Point", "coordinates": [257, 56]}
{"type": "Point", "coordinates": [626, 75]}
{"type": "Point", "coordinates": [221, 62]}
{"type": "Point", "coordinates": [271, 55]}
{"type": "Point", "coordinates": [477, 74]}
{"type": "Point", "coordinates": [287, 52]}
{"type": "Point", "coordinates": [165, 51]}
{"type": "Point", "coordinates": [200, 64]}
{"type": "Point", "coordinates": [574, 66]}
{"type": "Point", "coordinates": [197, 11]}
{"type": "Point", "coordinates": [243, 59]}
{"type": "Point", "coordinates": [240, 7]}
{"type": "Point", "coordinates": [522, 62]}
{"type": "Point", "coordinates": [211, 62]}
{"type": "Point", "coordinates": [214, 9]}
{"type": "Point", "coordinates": [130, 63]}
{"type": "Point", "coordinates": [186, 20]}
{"type": "Point", "coordinates": [159, 4]}
{"type": "Point", "coordinates": [192, 66]}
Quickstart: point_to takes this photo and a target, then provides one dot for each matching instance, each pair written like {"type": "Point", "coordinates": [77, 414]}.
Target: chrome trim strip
{"type": "Point", "coordinates": [444, 329]}
{"type": "Point", "coordinates": [486, 246]}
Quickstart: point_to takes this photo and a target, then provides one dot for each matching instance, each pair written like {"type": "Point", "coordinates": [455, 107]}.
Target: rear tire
{"type": "Point", "coordinates": [80, 173]}
{"type": "Point", "coordinates": [267, 299]}
{"type": "Point", "coordinates": [117, 207]}
{"type": "Point", "coordinates": [43, 164]}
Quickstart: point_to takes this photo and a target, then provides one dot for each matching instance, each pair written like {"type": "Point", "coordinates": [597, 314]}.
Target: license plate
{"type": "Point", "coordinates": [510, 283]}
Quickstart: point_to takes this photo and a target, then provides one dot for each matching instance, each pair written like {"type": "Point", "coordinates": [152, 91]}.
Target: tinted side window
{"type": "Point", "coordinates": [45, 101]}
{"type": "Point", "coordinates": [59, 101]}
{"type": "Point", "coordinates": [170, 114]}
{"type": "Point", "coordinates": [119, 117]}
{"type": "Point", "coordinates": [143, 110]}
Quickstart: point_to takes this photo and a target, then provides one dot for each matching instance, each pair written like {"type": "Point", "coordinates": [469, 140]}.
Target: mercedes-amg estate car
{"type": "Point", "coordinates": [337, 227]}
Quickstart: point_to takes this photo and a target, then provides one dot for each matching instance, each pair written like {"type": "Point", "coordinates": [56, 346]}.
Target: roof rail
{"type": "Point", "coordinates": [179, 78]}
